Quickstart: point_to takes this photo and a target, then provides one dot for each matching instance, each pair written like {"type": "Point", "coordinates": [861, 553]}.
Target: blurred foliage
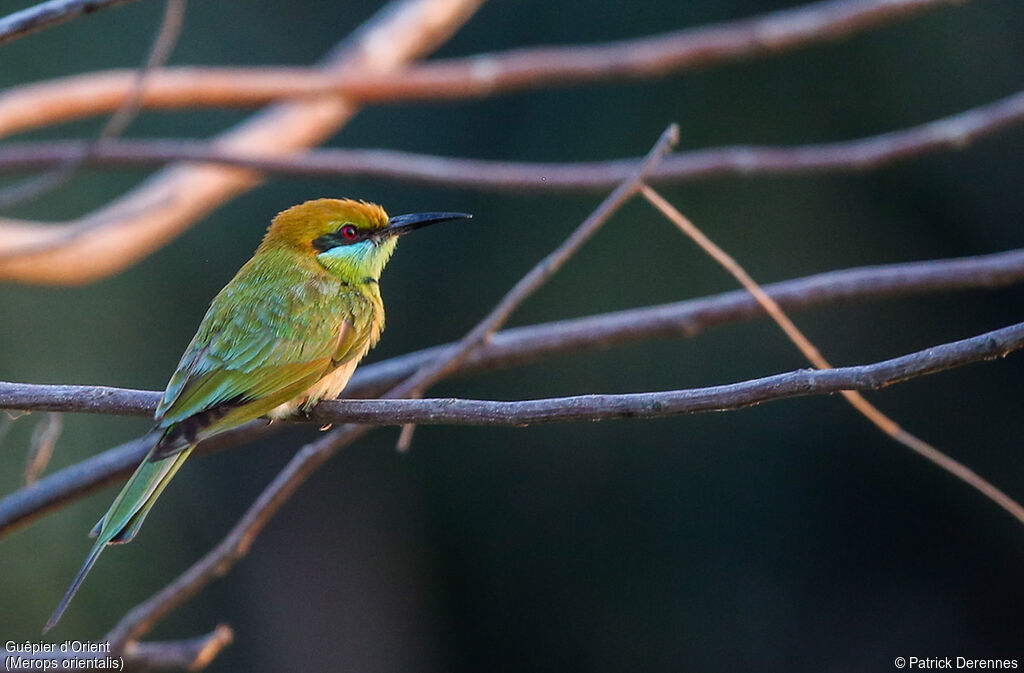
{"type": "Point", "coordinates": [792, 536]}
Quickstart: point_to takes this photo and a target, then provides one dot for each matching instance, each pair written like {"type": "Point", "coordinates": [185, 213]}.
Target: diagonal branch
{"type": "Point", "coordinates": [435, 370]}
{"type": "Point", "coordinates": [475, 76]}
{"type": "Point", "coordinates": [872, 413]}
{"type": "Point", "coordinates": [953, 133]}
{"type": "Point", "coordinates": [141, 221]}
{"type": "Point", "coordinates": [523, 345]}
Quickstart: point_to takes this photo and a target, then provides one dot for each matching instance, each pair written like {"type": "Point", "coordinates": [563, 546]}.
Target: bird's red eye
{"type": "Point", "coordinates": [349, 231]}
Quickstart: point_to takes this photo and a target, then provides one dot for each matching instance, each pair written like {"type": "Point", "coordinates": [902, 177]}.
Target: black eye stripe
{"type": "Point", "coordinates": [346, 235]}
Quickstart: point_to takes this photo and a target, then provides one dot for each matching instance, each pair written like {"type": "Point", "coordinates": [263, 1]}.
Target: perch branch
{"type": "Point", "coordinates": [141, 221]}
{"type": "Point", "coordinates": [447, 411]}
{"type": "Point", "coordinates": [47, 14]}
{"type": "Point", "coordinates": [950, 133]}
{"type": "Point", "coordinates": [523, 345]}
{"type": "Point", "coordinates": [78, 96]}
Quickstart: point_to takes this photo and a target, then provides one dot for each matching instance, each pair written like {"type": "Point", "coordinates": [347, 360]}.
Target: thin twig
{"type": "Point", "coordinates": [524, 345]}
{"type": "Point", "coordinates": [435, 370]}
{"type": "Point", "coordinates": [475, 76]}
{"type": "Point", "coordinates": [144, 219]}
{"type": "Point", "coordinates": [811, 352]}
{"type": "Point", "coordinates": [597, 407]}
{"type": "Point", "coordinates": [6, 423]}
{"type": "Point", "coordinates": [953, 133]}
{"type": "Point", "coordinates": [41, 446]}
{"type": "Point", "coordinates": [163, 44]}
{"type": "Point", "coordinates": [194, 654]}
{"type": "Point", "coordinates": [47, 14]}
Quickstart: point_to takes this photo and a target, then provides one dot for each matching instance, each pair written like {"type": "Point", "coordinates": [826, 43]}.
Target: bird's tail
{"type": "Point", "coordinates": [124, 518]}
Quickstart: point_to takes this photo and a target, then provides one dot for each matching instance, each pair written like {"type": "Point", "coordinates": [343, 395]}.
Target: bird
{"type": "Point", "coordinates": [286, 332]}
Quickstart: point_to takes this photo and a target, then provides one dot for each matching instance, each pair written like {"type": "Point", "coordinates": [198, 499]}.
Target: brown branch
{"type": "Point", "coordinates": [192, 655]}
{"type": "Point", "coordinates": [143, 220]}
{"type": "Point", "coordinates": [48, 14]}
{"type": "Point", "coordinates": [523, 345]}
{"type": "Point", "coordinates": [160, 50]}
{"type": "Point", "coordinates": [482, 75]}
{"type": "Point", "coordinates": [951, 133]}
{"type": "Point", "coordinates": [596, 407]}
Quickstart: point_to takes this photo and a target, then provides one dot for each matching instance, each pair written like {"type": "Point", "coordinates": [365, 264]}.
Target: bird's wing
{"type": "Point", "coordinates": [248, 357]}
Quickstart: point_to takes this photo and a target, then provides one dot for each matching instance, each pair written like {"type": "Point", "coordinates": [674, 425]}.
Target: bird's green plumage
{"type": "Point", "coordinates": [274, 331]}
{"type": "Point", "coordinates": [285, 331]}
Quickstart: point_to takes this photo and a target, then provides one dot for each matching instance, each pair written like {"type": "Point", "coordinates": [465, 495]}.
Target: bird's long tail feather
{"type": "Point", "coordinates": [124, 518]}
{"type": "Point", "coordinates": [90, 561]}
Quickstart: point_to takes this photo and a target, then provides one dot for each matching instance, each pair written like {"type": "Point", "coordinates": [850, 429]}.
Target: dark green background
{"type": "Point", "coordinates": [793, 536]}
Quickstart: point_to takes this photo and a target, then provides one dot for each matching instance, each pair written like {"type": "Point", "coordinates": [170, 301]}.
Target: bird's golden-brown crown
{"type": "Point", "coordinates": [299, 225]}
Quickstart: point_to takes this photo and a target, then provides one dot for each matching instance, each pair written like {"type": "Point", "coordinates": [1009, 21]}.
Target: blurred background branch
{"type": "Point", "coordinates": [163, 44]}
{"type": "Point", "coordinates": [953, 133]}
{"type": "Point", "coordinates": [47, 103]}
{"type": "Point", "coordinates": [117, 235]}
{"type": "Point", "coordinates": [141, 221]}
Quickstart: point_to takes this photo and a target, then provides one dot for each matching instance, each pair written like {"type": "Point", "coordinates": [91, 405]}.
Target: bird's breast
{"type": "Point", "coordinates": [327, 388]}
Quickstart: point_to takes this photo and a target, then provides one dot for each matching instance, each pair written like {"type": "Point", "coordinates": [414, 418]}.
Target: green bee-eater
{"type": "Point", "coordinates": [286, 332]}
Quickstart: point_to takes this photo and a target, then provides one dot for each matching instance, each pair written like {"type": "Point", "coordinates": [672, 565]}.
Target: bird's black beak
{"type": "Point", "coordinates": [400, 225]}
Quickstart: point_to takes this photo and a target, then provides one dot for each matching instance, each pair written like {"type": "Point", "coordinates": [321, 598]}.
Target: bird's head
{"type": "Point", "coordinates": [351, 239]}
